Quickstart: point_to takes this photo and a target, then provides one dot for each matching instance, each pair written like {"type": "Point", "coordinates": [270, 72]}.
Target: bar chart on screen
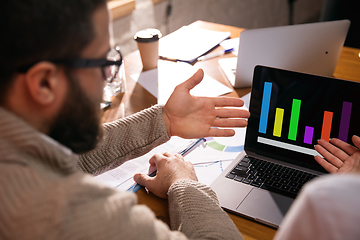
{"type": "Point", "coordinates": [272, 125]}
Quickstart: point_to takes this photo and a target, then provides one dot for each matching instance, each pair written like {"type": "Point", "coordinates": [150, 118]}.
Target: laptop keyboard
{"type": "Point", "coordinates": [270, 176]}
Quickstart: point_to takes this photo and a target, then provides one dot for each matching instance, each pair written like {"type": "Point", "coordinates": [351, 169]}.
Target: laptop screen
{"type": "Point", "coordinates": [290, 111]}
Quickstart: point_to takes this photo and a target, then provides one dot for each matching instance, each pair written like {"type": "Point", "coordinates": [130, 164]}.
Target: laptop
{"type": "Point", "coordinates": [289, 112]}
{"type": "Point", "coordinates": [309, 48]}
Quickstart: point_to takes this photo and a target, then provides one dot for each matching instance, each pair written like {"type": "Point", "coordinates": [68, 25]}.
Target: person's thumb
{"type": "Point", "coordinates": [194, 80]}
{"type": "Point", "coordinates": [142, 179]}
{"type": "Point", "coordinates": [356, 141]}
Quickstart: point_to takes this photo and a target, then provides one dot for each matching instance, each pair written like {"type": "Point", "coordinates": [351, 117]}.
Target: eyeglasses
{"type": "Point", "coordinates": [109, 66]}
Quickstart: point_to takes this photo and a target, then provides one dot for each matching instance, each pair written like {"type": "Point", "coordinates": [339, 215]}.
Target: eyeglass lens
{"type": "Point", "coordinates": [111, 71]}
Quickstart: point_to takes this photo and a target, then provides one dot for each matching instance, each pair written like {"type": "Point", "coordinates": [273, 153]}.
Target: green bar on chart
{"type": "Point", "coordinates": [294, 119]}
{"type": "Point", "coordinates": [216, 146]}
{"type": "Point", "coordinates": [279, 116]}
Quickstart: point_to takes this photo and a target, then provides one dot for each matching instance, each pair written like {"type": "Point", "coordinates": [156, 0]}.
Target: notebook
{"type": "Point", "coordinates": [289, 112]}
{"type": "Point", "coordinates": [309, 48]}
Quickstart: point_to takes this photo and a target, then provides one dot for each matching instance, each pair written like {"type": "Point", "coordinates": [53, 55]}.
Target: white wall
{"type": "Point", "coordinates": [240, 13]}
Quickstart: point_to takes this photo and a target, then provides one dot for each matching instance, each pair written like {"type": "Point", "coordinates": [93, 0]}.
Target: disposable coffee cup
{"type": "Point", "coordinates": [148, 45]}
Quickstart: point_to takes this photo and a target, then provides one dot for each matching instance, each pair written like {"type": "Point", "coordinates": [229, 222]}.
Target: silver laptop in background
{"type": "Point", "coordinates": [289, 112]}
{"type": "Point", "coordinates": [309, 48]}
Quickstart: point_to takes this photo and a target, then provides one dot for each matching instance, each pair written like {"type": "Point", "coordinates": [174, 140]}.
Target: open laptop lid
{"type": "Point", "coordinates": [290, 111]}
{"type": "Point", "coordinates": [310, 48]}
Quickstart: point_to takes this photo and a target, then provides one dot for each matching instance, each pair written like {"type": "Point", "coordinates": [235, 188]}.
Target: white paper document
{"type": "Point", "coordinates": [231, 43]}
{"type": "Point", "coordinates": [228, 66]}
{"type": "Point", "coordinates": [122, 176]}
{"type": "Point", "coordinates": [213, 156]}
{"type": "Point", "coordinates": [188, 43]}
{"type": "Point", "coordinates": [209, 158]}
{"type": "Point", "coordinates": [161, 82]}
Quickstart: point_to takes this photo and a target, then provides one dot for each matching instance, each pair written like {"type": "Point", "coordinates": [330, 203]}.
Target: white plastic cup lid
{"type": "Point", "coordinates": [148, 35]}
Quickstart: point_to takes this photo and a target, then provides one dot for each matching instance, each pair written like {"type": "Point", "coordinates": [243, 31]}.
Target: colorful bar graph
{"type": "Point", "coordinates": [309, 134]}
{"type": "Point", "coordinates": [294, 119]}
{"type": "Point", "coordinates": [265, 106]}
{"type": "Point", "coordinates": [295, 116]}
{"type": "Point", "coordinates": [279, 116]}
{"type": "Point", "coordinates": [345, 121]}
{"type": "Point", "coordinates": [326, 127]}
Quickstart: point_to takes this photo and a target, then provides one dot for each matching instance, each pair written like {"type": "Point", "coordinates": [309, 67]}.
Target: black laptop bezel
{"type": "Point", "coordinates": [309, 88]}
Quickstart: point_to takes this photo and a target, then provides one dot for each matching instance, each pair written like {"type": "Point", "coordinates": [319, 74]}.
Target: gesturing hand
{"type": "Point", "coordinates": [340, 157]}
{"type": "Point", "coordinates": [188, 116]}
{"type": "Point", "coordinates": [170, 169]}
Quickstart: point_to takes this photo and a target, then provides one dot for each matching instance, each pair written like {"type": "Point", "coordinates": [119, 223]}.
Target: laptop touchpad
{"type": "Point", "coordinates": [230, 193]}
{"type": "Point", "coordinates": [264, 206]}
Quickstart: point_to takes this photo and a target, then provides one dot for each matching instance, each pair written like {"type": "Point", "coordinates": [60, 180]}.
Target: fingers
{"type": "Point", "coordinates": [228, 102]}
{"type": "Point", "coordinates": [356, 141]}
{"type": "Point", "coordinates": [332, 153]}
{"type": "Point", "coordinates": [232, 113]}
{"type": "Point", "coordinates": [331, 159]}
{"type": "Point", "coordinates": [326, 165]}
{"type": "Point", "coordinates": [345, 147]}
{"type": "Point", "coordinates": [170, 169]}
{"type": "Point", "coordinates": [218, 132]}
{"type": "Point", "coordinates": [153, 160]}
{"type": "Point", "coordinates": [339, 156]}
{"type": "Point", "coordinates": [224, 122]}
{"type": "Point", "coordinates": [142, 179]}
{"type": "Point", "coordinates": [194, 80]}
{"type": "Point", "coordinates": [230, 118]}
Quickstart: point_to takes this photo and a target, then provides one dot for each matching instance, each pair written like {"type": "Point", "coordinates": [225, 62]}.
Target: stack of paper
{"type": "Point", "coordinates": [188, 43]}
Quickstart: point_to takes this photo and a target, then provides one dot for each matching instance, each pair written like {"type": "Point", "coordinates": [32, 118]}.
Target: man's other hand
{"type": "Point", "coordinates": [170, 169]}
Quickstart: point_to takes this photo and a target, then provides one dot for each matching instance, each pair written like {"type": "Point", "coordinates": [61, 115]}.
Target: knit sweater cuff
{"type": "Point", "coordinates": [195, 211]}
{"type": "Point", "coordinates": [181, 186]}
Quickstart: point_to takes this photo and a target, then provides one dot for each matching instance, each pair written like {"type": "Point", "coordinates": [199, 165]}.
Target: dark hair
{"type": "Point", "coordinates": [35, 30]}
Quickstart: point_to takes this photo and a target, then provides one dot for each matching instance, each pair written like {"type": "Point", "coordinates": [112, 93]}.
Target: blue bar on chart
{"type": "Point", "coordinates": [265, 107]}
{"type": "Point", "coordinates": [345, 121]}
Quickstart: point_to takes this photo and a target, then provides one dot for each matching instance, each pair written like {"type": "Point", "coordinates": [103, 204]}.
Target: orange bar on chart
{"type": "Point", "coordinates": [326, 127]}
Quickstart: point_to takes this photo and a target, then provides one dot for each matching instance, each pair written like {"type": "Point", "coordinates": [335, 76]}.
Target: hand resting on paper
{"type": "Point", "coordinates": [170, 169]}
{"type": "Point", "coordinates": [189, 116]}
{"type": "Point", "coordinates": [339, 156]}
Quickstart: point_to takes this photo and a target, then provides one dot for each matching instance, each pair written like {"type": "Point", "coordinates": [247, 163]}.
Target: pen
{"type": "Point", "coordinates": [135, 187]}
{"type": "Point", "coordinates": [186, 150]}
{"type": "Point", "coordinates": [215, 54]}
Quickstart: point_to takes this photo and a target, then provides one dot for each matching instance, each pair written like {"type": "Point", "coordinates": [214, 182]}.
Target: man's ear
{"type": "Point", "coordinates": [43, 81]}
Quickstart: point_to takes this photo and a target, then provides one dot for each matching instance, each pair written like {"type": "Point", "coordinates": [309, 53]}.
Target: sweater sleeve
{"type": "Point", "coordinates": [327, 207]}
{"type": "Point", "coordinates": [72, 207]}
{"type": "Point", "coordinates": [108, 214]}
{"type": "Point", "coordinates": [195, 211]}
{"type": "Point", "coordinates": [126, 139]}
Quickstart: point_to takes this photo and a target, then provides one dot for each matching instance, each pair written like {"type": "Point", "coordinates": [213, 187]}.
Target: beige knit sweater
{"type": "Point", "coordinates": [45, 194]}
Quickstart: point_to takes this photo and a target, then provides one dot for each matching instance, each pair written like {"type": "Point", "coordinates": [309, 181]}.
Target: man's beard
{"type": "Point", "coordinates": [78, 124]}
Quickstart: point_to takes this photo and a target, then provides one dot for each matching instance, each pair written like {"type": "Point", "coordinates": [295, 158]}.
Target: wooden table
{"type": "Point", "coordinates": [137, 98]}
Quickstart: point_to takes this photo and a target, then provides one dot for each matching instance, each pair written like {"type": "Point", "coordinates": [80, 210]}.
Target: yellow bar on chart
{"type": "Point", "coordinates": [279, 115]}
